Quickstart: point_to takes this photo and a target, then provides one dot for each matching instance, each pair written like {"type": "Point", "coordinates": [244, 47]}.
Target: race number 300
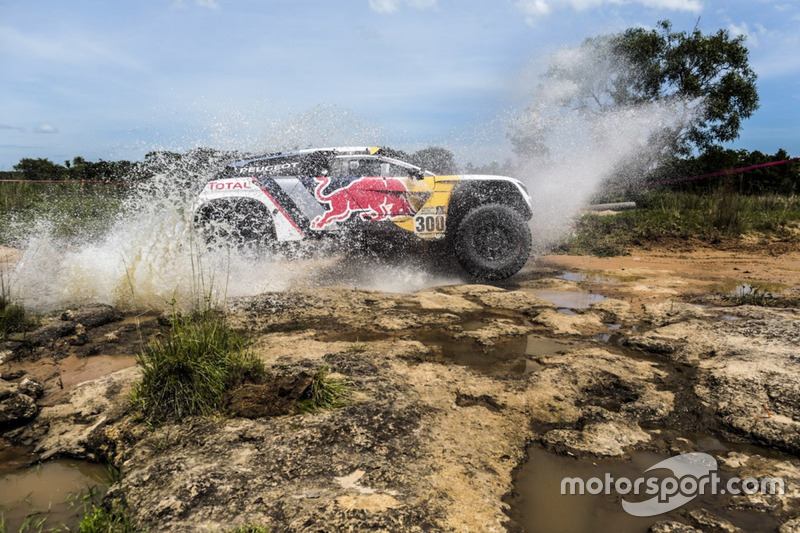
{"type": "Point", "coordinates": [429, 224]}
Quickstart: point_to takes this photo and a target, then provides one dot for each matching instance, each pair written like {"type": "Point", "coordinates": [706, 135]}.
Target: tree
{"type": "Point", "coordinates": [706, 77]}
{"type": "Point", "coordinates": [435, 159]}
{"type": "Point", "coordinates": [40, 169]}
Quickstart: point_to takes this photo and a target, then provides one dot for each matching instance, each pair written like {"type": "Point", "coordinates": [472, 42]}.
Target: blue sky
{"type": "Point", "coordinates": [114, 80]}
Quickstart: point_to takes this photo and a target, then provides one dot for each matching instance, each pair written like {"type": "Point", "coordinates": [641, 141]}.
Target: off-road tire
{"type": "Point", "coordinates": [492, 242]}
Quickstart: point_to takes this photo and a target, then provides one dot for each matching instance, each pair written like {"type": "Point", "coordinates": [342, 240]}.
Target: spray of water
{"type": "Point", "coordinates": [572, 142]}
{"type": "Point", "coordinates": [151, 255]}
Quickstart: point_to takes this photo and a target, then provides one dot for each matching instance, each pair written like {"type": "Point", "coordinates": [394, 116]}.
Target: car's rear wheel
{"type": "Point", "coordinates": [492, 242]}
{"type": "Point", "coordinates": [236, 224]}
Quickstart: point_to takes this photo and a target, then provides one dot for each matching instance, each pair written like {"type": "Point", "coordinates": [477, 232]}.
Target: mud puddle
{"type": "Point", "coordinates": [568, 300]}
{"type": "Point", "coordinates": [541, 507]}
{"type": "Point", "coordinates": [515, 356]}
{"type": "Point", "coordinates": [44, 495]}
{"type": "Point", "coordinates": [589, 276]}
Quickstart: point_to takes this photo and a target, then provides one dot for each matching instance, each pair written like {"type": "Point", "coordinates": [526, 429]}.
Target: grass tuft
{"type": "Point", "coordinates": [103, 520]}
{"type": "Point", "coordinates": [325, 393]}
{"type": "Point", "coordinates": [13, 316]}
{"type": "Point", "coordinates": [189, 371]}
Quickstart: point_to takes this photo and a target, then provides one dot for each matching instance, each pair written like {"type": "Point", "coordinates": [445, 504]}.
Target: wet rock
{"type": "Point", "coordinates": [80, 338]}
{"type": "Point", "coordinates": [74, 427]}
{"type": "Point", "coordinates": [752, 382]}
{"type": "Point", "coordinates": [710, 523]}
{"type": "Point", "coordinates": [49, 333]}
{"type": "Point", "coordinates": [520, 301]}
{"type": "Point", "coordinates": [669, 312]}
{"type": "Point", "coordinates": [602, 434]}
{"type": "Point", "coordinates": [596, 400]}
{"type": "Point", "coordinates": [556, 284]}
{"type": "Point", "coordinates": [494, 330]}
{"type": "Point", "coordinates": [32, 388]}
{"type": "Point", "coordinates": [439, 301]}
{"type": "Point", "coordinates": [15, 405]}
{"type": "Point", "coordinates": [779, 479]}
{"type": "Point", "coordinates": [93, 316]}
{"type": "Point", "coordinates": [615, 311]}
{"type": "Point", "coordinates": [12, 375]}
{"type": "Point", "coordinates": [673, 527]}
{"type": "Point", "coordinates": [792, 526]}
{"type": "Point", "coordinates": [563, 324]}
{"type": "Point", "coordinates": [11, 350]}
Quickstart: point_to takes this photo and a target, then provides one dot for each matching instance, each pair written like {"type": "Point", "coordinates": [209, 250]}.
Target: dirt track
{"type": "Point", "coordinates": [435, 434]}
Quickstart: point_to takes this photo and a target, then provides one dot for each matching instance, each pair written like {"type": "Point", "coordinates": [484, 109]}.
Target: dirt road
{"type": "Point", "coordinates": [583, 357]}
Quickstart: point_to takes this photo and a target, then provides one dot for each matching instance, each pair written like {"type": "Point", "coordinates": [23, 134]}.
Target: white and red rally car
{"type": "Point", "coordinates": [330, 192]}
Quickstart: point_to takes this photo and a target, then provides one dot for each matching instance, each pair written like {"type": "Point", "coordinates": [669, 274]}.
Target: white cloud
{"type": "Point", "coordinates": [390, 6]}
{"type": "Point", "coordinates": [536, 9]}
{"type": "Point", "coordinates": [210, 4]}
{"type": "Point", "coordinates": [45, 128]}
{"type": "Point", "coordinates": [752, 35]}
{"type": "Point", "coordinates": [182, 4]}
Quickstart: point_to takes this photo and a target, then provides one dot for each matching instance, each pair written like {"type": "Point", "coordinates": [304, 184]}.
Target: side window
{"type": "Point", "coordinates": [355, 167]}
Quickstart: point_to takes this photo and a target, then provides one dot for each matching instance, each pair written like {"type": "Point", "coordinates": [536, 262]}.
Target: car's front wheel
{"type": "Point", "coordinates": [492, 242]}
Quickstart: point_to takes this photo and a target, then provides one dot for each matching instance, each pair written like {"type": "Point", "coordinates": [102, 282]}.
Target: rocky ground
{"type": "Point", "coordinates": [451, 385]}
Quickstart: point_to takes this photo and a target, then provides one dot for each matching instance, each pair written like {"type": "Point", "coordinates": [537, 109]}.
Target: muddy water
{"type": "Point", "coordinates": [47, 491]}
{"type": "Point", "coordinates": [515, 356]}
{"type": "Point", "coordinates": [540, 506]}
{"type": "Point", "coordinates": [568, 299]}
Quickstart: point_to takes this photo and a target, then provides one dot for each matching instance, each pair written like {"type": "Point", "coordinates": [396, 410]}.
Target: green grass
{"type": "Point", "coordinates": [70, 210]}
{"type": "Point", "coordinates": [325, 393]}
{"type": "Point", "coordinates": [13, 316]}
{"type": "Point", "coordinates": [669, 216]}
{"type": "Point", "coordinates": [105, 520]}
{"type": "Point", "coordinates": [189, 371]}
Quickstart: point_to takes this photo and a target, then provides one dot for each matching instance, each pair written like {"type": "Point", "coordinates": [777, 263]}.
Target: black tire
{"type": "Point", "coordinates": [238, 225]}
{"type": "Point", "coordinates": [492, 242]}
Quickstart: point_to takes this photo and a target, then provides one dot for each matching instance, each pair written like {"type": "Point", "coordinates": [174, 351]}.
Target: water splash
{"type": "Point", "coordinates": [149, 254]}
{"type": "Point", "coordinates": [569, 151]}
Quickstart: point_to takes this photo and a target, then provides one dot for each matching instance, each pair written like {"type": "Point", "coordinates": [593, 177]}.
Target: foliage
{"type": "Point", "coordinates": [435, 159]}
{"type": "Point", "coordinates": [668, 216]}
{"type": "Point", "coordinates": [639, 66]}
{"type": "Point", "coordinates": [103, 520]}
{"type": "Point", "coordinates": [13, 316]}
{"type": "Point", "coordinates": [189, 371]}
{"type": "Point", "coordinates": [325, 392]}
{"type": "Point", "coordinates": [778, 179]}
{"type": "Point", "coordinates": [77, 169]}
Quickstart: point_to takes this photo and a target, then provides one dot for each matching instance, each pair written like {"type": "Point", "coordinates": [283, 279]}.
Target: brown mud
{"type": "Point", "coordinates": [642, 354]}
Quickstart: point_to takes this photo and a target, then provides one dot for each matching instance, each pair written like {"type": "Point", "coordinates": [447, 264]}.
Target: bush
{"type": "Point", "coordinates": [189, 371]}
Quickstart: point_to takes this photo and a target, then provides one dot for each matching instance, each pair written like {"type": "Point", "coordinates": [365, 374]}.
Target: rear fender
{"type": "Point", "coordinates": [230, 189]}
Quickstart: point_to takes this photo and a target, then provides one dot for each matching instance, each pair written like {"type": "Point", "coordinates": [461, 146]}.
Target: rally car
{"type": "Point", "coordinates": [331, 192]}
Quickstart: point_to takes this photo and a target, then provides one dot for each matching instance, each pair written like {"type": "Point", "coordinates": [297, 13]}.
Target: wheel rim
{"type": "Point", "coordinates": [492, 241]}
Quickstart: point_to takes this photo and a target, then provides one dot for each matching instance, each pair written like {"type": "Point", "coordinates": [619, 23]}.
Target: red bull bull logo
{"type": "Point", "coordinates": [374, 198]}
